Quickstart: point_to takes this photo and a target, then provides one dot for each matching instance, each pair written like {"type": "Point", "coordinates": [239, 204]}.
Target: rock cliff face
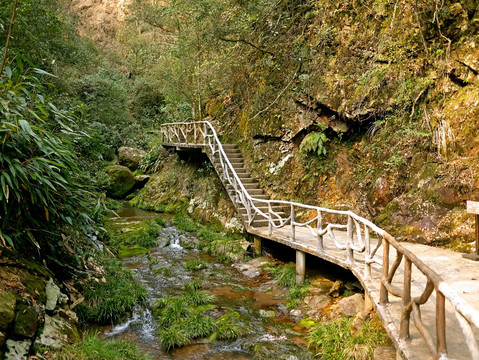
{"type": "Point", "coordinates": [393, 83]}
{"type": "Point", "coordinates": [99, 19]}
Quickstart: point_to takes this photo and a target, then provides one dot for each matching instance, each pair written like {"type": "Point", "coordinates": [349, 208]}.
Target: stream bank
{"type": "Point", "coordinates": [274, 316]}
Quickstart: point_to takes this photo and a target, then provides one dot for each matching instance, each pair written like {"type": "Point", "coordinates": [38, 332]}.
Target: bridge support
{"type": "Point", "coordinates": [258, 245]}
{"type": "Point", "coordinates": [300, 266]}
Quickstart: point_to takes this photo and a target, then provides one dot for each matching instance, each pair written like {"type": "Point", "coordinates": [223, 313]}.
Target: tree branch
{"type": "Point", "coordinates": [9, 35]}
{"type": "Point", "coordinates": [247, 43]}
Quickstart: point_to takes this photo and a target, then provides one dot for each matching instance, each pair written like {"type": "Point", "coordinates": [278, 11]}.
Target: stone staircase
{"type": "Point", "coordinates": [251, 185]}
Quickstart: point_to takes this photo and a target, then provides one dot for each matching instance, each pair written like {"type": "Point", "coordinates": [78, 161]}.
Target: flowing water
{"type": "Point", "coordinates": [252, 293]}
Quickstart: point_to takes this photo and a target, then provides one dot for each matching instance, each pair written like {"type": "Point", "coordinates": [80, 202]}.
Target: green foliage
{"type": "Point", "coordinates": [95, 348]}
{"type": "Point", "coordinates": [110, 301]}
{"type": "Point", "coordinates": [284, 275]}
{"type": "Point", "coordinates": [40, 185]}
{"type": "Point", "coordinates": [228, 326]}
{"type": "Point", "coordinates": [184, 222]}
{"type": "Point", "coordinates": [335, 341]}
{"type": "Point", "coordinates": [195, 265]}
{"type": "Point", "coordinates": [144, 235]}
{"type": "Point", "coordinates": [181, 317]}
{"type": "Point", "coordinates": [315, 142]}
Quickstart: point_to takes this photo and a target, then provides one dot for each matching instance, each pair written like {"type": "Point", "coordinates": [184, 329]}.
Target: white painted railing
{"type": "Point", "coordinates": [358, 240]}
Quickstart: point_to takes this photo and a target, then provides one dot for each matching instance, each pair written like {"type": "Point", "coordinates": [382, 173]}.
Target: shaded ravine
{"type": "Point", "coordinates": [254, 297]}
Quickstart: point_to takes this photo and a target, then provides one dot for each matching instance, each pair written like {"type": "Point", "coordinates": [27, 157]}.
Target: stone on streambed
{"type": "Point", "coordinates": [336, 289]}
{"type": "Point", "coordinates": [130, 157]}
{"type": "Point", "coordinates": [351, 305]}
{"type": "Point", "coordinates": [121, 179]}
{"type": "Point", "coordinates": [252, 268]}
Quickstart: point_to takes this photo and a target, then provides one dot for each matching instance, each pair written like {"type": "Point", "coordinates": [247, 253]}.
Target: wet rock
{"type": "Point", "coordinates": [384, 353]}
{"type": "Point", "coordinates": [337, 289]}
{"type": "Point", "coordinates": [7, 309]}
{"type": "Point", "coordinates": [252, 268]}
{"type": "Point", "coordinates": [351, 305]}
{"type": "Point", "coordinates": [17, 350]}
{"type": "Point", "coordinates": [122, 180]}
{"type": "Point", "coordinates": [317, 303]}
{"type": "Point", "coordinates": [296, 313]}
{"type": "Point", "coordinates": [57, 333]}
{"type": "Point", "coordinates": [130, 157]}
{"type": "Point", "coordinates": [283, 308]}
{"type": "Point", "coordinates": [267, 313]}
{"type": "Point", "coordinates": [27, 320]}
{"type": "Point", "coordinates": [53, 292]}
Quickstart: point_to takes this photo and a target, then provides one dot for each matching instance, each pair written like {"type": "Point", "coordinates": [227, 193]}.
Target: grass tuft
{"type": "Point", "coordinates": [334, 340]}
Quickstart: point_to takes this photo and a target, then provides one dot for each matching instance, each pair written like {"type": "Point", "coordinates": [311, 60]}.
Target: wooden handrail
{"type": "Point", "coordinates": [202, 134]}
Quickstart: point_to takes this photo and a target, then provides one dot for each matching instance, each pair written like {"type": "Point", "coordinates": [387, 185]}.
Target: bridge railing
{"type": "Point", "coordinates": [358, 240]}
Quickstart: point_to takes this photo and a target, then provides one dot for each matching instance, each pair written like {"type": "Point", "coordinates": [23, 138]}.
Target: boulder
{"type": "Point", "coordinates": [351, 305]}
{"type": "Point", "coordinates": [17, 350]}
{"type": "Point", "coordinates": [53, 292]}
{"type": "Point", "coordinates": [130, 157]}
{"type": "Point", "coordinates": [337, 289]}
{"type": "Point", "coordinates": [121, 179]}
{"type": "Point", "coordinates": [57, 333]}
{"type": "Point", "coordinates": [27, 320]}
{"type": "Point", "coordinates": [7, 309]}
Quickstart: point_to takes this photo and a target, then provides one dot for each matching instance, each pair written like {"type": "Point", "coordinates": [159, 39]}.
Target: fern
{"type": "Point", "coordinates": [315, 142]}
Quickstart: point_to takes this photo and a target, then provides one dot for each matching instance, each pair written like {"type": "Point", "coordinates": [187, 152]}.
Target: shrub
{"type": "Point", "coordinates": [182, 318]}
{"type": "Point", "coordinates": [185, 223]}
{"type": "Point", "coordinates": [40, 185]}
{"type": "Point", "coordinates": [227, 326]}
{"type": "Point", "coordinates": [195, 265]}
{"type": "Point", "coordinates": [315, 142]}
{"type": "Point", "coordinates": [94, 348]}
{"type": "Point", "coordinates": [110, 301]}
{"type": "Point", "coordinates": [335, 341]}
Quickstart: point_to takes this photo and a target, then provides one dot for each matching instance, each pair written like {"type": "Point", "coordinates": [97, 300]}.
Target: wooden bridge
{"type": "Point", "coordinates": [414, 288]}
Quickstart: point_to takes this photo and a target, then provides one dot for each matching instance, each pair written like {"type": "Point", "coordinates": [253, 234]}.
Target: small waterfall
{"type": "Point", "coordinates": [175, 240]}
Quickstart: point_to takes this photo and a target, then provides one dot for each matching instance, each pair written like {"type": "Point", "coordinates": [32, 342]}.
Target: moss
{"type": "Point", "coordinates": [131, 251]}
{"type": "Point", "coordinates": [121, 181]}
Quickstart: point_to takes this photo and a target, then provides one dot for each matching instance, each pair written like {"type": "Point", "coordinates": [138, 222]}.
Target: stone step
{"type": "Point", "coordinates": [252, 192]}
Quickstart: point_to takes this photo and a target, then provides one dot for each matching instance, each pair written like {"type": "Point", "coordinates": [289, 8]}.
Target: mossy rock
{"type": "Point", "coordinates": [122, 180]}
{"type": "Point", "coordinates": [131, 251]}
{"type": "Point", "coordinates": [7, 309]}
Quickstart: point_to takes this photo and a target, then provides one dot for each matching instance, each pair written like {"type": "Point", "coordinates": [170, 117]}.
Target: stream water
{"type": "Point", "coordinates": [252, 293]}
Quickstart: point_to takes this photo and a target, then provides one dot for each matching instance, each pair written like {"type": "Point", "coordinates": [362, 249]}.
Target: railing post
{"type": "Point", "coordinates": [293, 232]}
{"type": "Point", "coordinates": [349, 242]}
{"type": "Point", "coordinates": [441, 324]}
{"type": "Point", "coordinates": [270, 219]}
{"type": "Point", "coordinates": [204, 134]}
{"type": "Point", "coordinates": [383, 292]}
{"type": "Point", "coordinates": [367, 242]}
{"type": "Point", "coordinates": [406, 299]}
{"type": "Point", "coordinates": [319, 226]}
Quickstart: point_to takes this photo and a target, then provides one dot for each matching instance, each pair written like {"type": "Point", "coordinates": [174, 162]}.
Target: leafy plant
{"type": "Point", "coordinates": [109, 301]}
{"type": "Point", "coordinates": [94, 348]}
{"type": "Point", "coordinates": [315, 142]}
{"type": "Point", "coordinates": [195, 265]}
{"type": "Point", "coordinates": [334, 340]}
{"type": "Point", "coordinates": [40, 185]}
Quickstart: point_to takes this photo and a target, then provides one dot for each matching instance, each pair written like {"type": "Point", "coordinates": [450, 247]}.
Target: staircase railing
{"type": "Point", "coordinates": [358, 240]}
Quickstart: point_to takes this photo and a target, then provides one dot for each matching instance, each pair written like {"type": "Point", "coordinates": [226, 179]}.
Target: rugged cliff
{"type": "Point", "coordinates": [369, 105]}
